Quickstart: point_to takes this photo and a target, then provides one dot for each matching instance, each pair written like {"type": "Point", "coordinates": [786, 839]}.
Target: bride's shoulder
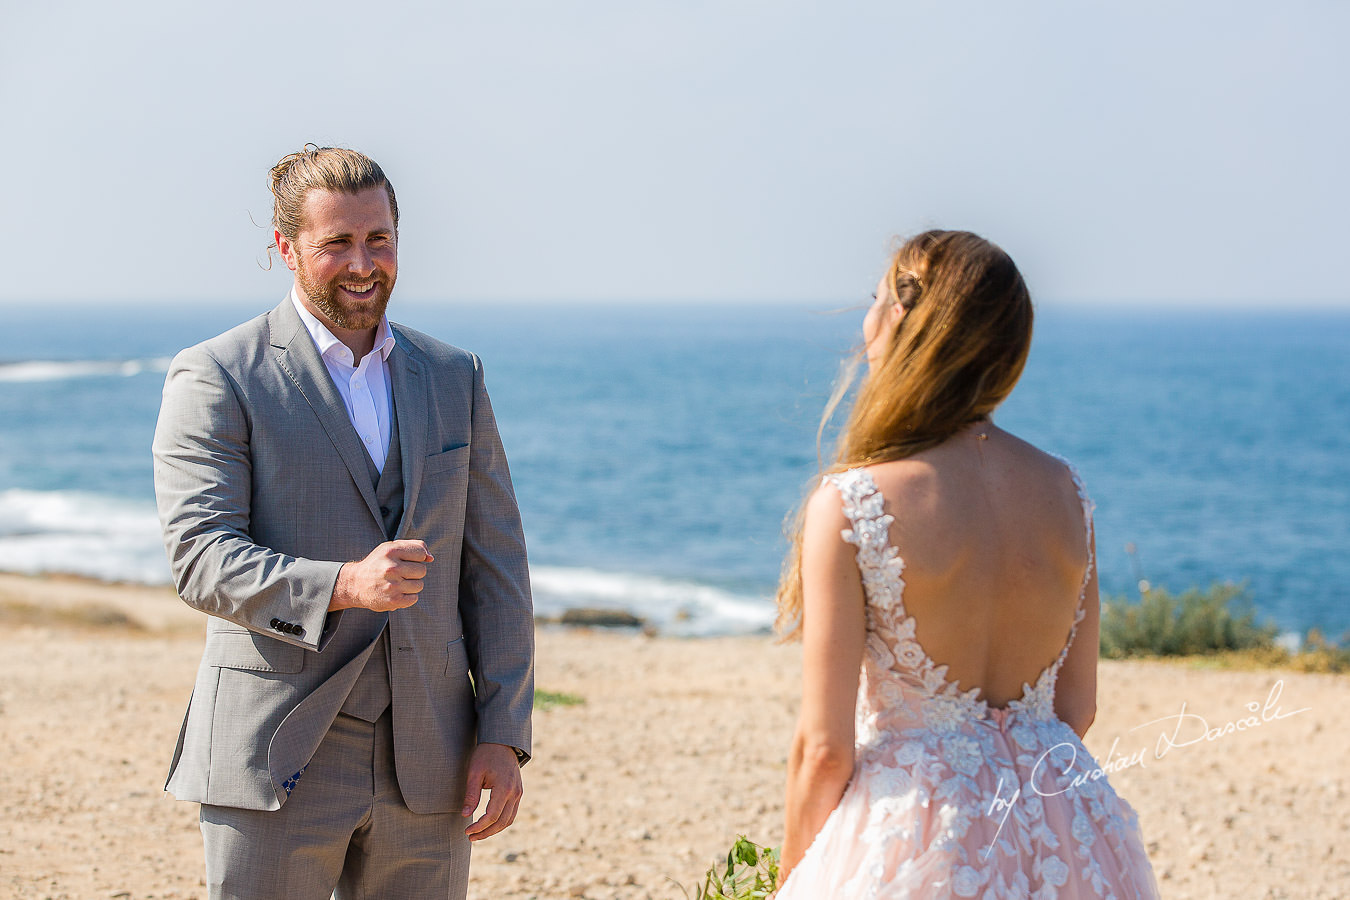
{"type": "Point", "coordinates": [1047, 475]}
{"type": "Point", "coordinates": [891, 479]}
{"type": "Point", "coordinates": [905, 482]}
{"type": "Point", "coordinates": [841, 494]}
{"type": "Point", "coordinates": [1029, 460]}
{"type": "Point", "coordinates": [1050, 466]}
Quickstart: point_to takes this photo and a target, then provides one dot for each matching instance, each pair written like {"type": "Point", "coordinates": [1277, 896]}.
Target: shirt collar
{"type": "Point", "coordinates": [328, 344]}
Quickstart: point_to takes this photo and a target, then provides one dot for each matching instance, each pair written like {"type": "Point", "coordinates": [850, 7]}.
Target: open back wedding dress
{"type": "Point", "coordinates": [951, 797]}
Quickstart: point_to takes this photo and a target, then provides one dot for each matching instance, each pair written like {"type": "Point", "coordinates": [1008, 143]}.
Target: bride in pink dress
{"type": "Point", "coordinates": [943, 587]}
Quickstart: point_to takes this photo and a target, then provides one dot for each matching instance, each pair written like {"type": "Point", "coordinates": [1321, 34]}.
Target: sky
{"type": "Point", "coordinates": [1153, 153]}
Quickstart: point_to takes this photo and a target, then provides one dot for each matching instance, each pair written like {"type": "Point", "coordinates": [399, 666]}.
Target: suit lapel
{"type": "Point", "coordinates": [411, 401]}
{"type": "Point", "coordinates": [299, 358]}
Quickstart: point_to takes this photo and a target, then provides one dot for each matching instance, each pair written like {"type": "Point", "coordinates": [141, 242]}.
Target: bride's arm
{"type": "Point", "coordinates": [1076, 689]}
{"type": "Point", "coordinates": [833, 631]}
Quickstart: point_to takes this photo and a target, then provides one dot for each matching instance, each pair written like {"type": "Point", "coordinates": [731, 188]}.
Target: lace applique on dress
{"type": "Point", "coordinates": [951, 797]}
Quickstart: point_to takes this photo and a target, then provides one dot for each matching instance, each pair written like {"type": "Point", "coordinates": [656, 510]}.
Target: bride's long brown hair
{"type": "Point", "coordinates": [952, 358]}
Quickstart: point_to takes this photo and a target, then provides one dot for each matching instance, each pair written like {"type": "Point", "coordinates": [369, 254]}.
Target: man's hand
{"type": "Point", "coordinates": [493, 767]}
{"type": "Point", "coordinates": [389, 578]}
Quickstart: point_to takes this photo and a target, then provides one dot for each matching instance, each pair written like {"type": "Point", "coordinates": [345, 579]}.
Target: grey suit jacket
{"type": "Point", "coordinates": [264, 491]}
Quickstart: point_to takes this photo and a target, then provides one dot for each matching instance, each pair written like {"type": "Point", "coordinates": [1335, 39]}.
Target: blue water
{"type": "Point", "coordinates": [656, 452]}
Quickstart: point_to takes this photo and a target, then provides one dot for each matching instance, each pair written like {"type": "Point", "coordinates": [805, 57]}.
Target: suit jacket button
{"type": "Point", "coordinates": [384, 511]}
{"type": "Point", "coordinates": [276, 623]}
{"type": "Point", "coordinates": [298, 630]}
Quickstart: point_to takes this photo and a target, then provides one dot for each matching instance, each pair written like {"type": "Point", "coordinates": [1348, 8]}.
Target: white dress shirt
{"type": "Point", "coordinates": [365, 386]}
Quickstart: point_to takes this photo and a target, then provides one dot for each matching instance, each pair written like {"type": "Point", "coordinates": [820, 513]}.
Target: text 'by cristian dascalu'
{"type": "Point", "coordinates": [1054, 773]}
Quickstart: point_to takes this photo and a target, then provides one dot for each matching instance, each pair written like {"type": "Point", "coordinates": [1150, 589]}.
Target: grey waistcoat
{"type": "Point", "coordinates": [370, 697]}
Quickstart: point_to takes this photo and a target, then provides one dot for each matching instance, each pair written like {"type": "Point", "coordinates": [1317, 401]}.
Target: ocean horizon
{"type": "Point", "coordinates": [656, 451]}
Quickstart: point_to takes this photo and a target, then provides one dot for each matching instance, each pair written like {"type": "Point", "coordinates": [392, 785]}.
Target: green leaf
{"type": "Point", "coordinates": [750, 873]}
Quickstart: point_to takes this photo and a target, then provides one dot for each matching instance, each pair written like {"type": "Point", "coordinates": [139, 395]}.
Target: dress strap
{"type": "Point", "coordinates": [862, 507]}
{"type": "Point", "coordinates": [878, 561]}
{"type": "Point", "coordinates": [1088, 525]}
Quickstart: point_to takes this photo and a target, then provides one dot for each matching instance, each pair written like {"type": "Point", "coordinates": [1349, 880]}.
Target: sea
{"type": "Point", "coordinates": [657, 451]}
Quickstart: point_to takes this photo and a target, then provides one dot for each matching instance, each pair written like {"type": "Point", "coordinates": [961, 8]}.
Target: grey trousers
{"type": "Point", "coordinates": [344, 832]}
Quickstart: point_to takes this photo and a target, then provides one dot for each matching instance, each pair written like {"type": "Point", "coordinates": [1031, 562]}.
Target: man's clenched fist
{"type": "Point", "coordinates": [390, 577]}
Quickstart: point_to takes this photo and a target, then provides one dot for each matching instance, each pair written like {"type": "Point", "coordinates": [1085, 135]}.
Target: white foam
{"type": "Point", "coordinates": [114, 539]}
{"type": "Point", "coordinates": [672, 605]}
{"type": "Point", "coordinates": [81, 534]}
{"type": "Point", "coordinates": [61, 370]}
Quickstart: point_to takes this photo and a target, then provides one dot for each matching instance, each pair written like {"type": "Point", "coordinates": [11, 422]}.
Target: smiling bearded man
{"type": "Point", "coordinates": [334, 495]}
{"type": "Point", "coordinates": [346, 295]}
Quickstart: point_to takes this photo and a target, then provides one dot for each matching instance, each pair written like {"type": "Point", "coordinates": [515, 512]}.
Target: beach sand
{"type": "Point", "coordinates": [678, 746]}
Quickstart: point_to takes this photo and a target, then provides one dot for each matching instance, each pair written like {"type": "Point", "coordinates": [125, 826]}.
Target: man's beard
{"type": "Point", "coordinates": [354, 316]}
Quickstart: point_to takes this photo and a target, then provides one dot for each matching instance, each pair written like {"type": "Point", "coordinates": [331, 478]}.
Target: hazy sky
{"type": "Point", "coordinates": [549, 150]}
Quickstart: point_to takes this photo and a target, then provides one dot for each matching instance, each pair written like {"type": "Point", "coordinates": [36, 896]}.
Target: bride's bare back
{"type": "Point", "coordinates": [995, 547]}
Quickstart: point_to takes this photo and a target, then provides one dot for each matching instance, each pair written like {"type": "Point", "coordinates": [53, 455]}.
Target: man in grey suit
{"type": "Point", "coordinates": [334, 495]}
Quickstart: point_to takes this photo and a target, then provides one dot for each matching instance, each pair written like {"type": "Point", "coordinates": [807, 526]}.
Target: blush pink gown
{"type": "Point", "coordinates": [951, 797]}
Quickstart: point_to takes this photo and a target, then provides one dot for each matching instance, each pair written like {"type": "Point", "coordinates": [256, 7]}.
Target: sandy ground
{"type": "Point", "coordinates": [679, 746]}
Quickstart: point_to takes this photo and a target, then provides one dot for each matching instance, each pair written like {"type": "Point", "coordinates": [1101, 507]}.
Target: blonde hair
{"type": "Point", "coordinates": [951, 359]}
{"type": "Point", "coordinates": [325, 168]}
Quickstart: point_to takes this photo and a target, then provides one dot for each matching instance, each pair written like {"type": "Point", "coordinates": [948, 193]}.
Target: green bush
{"type": "Point", "coordinates": [1196, 622]}
{"type": "Point", "coordinates": [1218, 625]}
